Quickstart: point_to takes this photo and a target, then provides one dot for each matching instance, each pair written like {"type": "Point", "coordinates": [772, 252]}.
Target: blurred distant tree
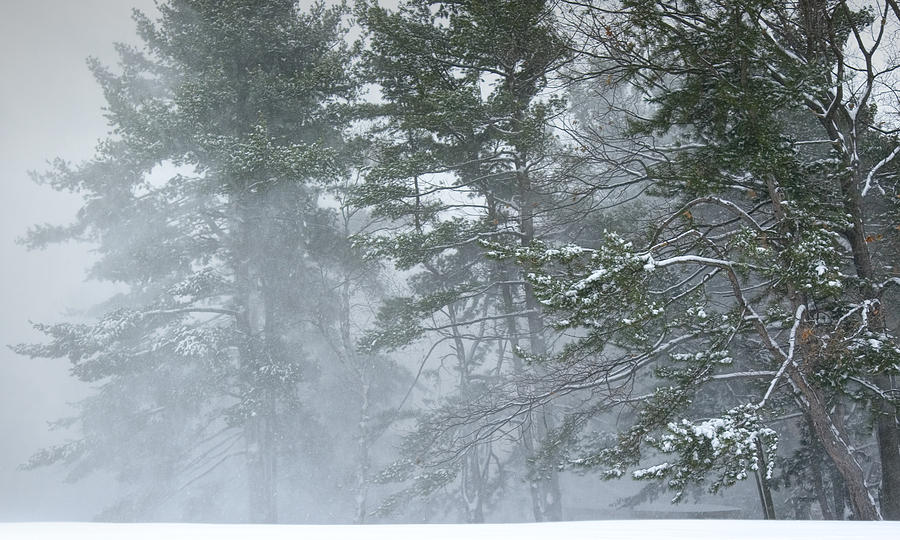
{"type": "Point", "coordinates": [204, 203]}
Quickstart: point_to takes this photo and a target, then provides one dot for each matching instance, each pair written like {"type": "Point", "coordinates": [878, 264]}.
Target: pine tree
{"type": "Point", "coordinates": [465, 116]}
{"type": "Point", "coordinates": [747, 250]}
{"type": "Point", "coordinates": [245, 100]}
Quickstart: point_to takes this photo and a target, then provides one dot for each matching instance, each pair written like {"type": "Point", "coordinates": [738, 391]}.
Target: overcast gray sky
{"type": "Point", "coordinates": [49, 106]}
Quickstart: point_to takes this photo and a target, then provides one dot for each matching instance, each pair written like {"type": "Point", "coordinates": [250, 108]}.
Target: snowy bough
{"type": "Point", "coordinates": [662, 328]}
{"type": "Point", "coordinates": [756, 282]}
{"type": "Point", "coordinates": [732, 444]}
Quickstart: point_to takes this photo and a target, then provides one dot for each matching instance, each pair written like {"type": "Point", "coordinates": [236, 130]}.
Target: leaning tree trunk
{"type": "Point", "coordinates": [831, 435]}
{"type": "Point", "coordinates": [845, 127]}
{"type": "Point", "coordinates": [888, 432]}
{"type": "Point", "coordinates": [836, 446]}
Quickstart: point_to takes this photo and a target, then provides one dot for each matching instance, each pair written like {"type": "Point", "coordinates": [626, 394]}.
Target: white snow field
{"type": "Point", "coordinates": [571, 530]}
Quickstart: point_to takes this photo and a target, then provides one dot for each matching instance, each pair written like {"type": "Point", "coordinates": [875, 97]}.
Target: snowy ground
{"type": "Point", "coordinates": [573, 530]}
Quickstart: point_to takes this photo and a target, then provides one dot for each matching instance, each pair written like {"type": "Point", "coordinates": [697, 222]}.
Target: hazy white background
{"type": "Point", "coordinates": [49, 106]}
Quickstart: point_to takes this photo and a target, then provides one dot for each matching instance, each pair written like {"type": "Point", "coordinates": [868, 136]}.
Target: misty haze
{"type": "Point", "coordinates": [434, 269]}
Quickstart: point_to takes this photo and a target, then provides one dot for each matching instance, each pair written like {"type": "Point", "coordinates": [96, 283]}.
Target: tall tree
{"type": "Point", "coordinates": [245, 100]}
{"type": "Point", "coordinates": [750, 248]}
{"type": "Point", "coordinates": [466, 106]}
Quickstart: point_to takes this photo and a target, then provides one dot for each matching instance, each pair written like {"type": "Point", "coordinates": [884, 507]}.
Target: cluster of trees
{"type": "Point", "coordinates": [426, 272]}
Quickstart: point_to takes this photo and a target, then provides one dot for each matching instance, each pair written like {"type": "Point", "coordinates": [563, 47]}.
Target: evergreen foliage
{"type": "Point", "coordinates": [633, 238]}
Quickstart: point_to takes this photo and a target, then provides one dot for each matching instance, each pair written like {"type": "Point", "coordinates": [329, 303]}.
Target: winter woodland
{"type": "Point", "coordinates": [506, 260]}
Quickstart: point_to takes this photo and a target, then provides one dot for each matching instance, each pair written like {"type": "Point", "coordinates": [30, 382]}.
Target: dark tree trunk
{"type": "Point", "coordinates": [762, 484]}
{"type": "Point", "coordinates": [888, 433]}
{"type": "Point", "coordinates": [836, 446]}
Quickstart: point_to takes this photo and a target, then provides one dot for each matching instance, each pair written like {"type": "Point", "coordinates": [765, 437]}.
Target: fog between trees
{"type": "Point", "coordinates": [469, 261]}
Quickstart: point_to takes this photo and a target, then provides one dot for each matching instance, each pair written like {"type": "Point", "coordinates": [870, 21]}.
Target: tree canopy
{"type": "Point", "coordinates": [428, 261]}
